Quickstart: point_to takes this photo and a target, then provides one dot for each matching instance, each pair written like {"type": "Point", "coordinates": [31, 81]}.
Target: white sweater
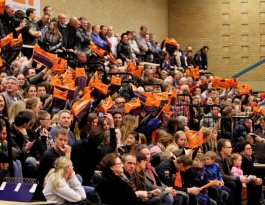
{"type": "Point", "coordinates": [70, 190]}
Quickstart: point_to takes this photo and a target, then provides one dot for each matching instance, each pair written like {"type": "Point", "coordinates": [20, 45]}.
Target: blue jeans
{"type": "Point", "coordinates": [167, 198]}
{"type": "Point", "coordinates": [17, 169]}
{"type": "Point", "coordinates": [88, 189]}
{"type": "Point", "coordinates": [29, 167]}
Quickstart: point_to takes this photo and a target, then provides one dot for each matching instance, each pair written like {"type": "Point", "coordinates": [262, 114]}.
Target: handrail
{"type": "Point", "coordinates": [249, 68]}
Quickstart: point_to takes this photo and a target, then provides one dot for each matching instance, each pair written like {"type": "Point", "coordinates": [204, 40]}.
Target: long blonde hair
{"type": "Point", "coordinates": [57, 173]}
{"type": "Point", "coordinates": [127, 126]}
{"type": "Point", "coordinates": [212, 142]}
{"type": "Point", "coordinates": [15, 108]}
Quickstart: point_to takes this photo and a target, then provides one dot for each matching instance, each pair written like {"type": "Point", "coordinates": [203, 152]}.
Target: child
{"type": "Point", "coordinates": [199, 178]}
{"type": "Point", "coordinates": [236, 161]}
{"type": "Point", "coordinates": [132, 140]}
{"type": "Point", "coordinates": [180, 139]}
{"type": "Point", "coordinates": [213, 171]}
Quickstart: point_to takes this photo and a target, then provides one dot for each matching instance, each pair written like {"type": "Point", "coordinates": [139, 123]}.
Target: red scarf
{"type": "Point", "coordinates": [149, 170]}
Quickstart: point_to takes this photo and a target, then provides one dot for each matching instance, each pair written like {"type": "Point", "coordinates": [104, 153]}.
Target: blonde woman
{"type": "Point", "coordinates": [127, 126]}
{"type": "Point", "coordinates": [213, 140]}
{"type": "Point", "coordinates": [15, 108]}
{"type": "Point", "coordinates": [34, 104]}
{"type": "Point", "coordinates": [61, 184]}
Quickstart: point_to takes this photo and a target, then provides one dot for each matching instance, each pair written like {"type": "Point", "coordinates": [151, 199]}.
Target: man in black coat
{"type": "Point", "coordinates": [200, 58]}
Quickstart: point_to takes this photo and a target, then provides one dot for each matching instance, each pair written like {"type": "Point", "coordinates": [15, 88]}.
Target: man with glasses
{"type": "Point", "coordinates": [234, 183]}
{"type": "Point", "coordinates": [120, 102]}
{"type": "Point", "coordinates": [11, 94]}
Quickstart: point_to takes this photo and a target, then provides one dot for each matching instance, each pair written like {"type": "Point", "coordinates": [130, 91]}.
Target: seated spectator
{"type": "Point", "coordinates": [61, 184]}
{"type": "Point", "coordinates": [255, 185]}
{"type": "Point", "coordinates": [60, 148]}
{"type": "Point", "coordinates": [157, 191]}
{"type": "Point", "coordinates": [86, 153]}
{"type": "Point", "coordinates": [180, 181]}
{"type": "Point", "coordinates": [243, 127]}
{"type": "Point", "coordinates": [213, 171]}
{"type": "Point", "coordinates": [20, 141]}
{"type": "Point", "coordinates": [4, 166]}
{"type": "Point", "coordinates": [132, 141]}
{"type": "Point", "coordinates": [180, 139]}
{"type": "Point", "coordinates": [30, 92]}
{"type": "Point", "coordinates": [3, 106]}
{"type": "Point", "coordinates": [64, 121]}
{"type": "Point", "coordinates": [91, 122]}
{"type": "Point", "coordinates": [21, 81]}
{"type": "Point", "coordinates": [162, 144]}
{"type": "Point", "coordinates": [187, 60]}
{"type": "Point", "coordinates": [15, 108]}
{"type": "Point", "coordinates": [11, 94]}
{"type": "Point", "coordinates": [199, 178]}
{"type": "Point", "coordinates": [41, 89]}
{"type": "Point", "coordinates": [165, 63]}
{"type": "Point", "coordinates": [212, 119]}
{"type": "Point", "coordinates": [234, 183]}
{"type": "Point", "coordinates": [112, 188]}
{"type": "Point", "coordinates": [43, 122]}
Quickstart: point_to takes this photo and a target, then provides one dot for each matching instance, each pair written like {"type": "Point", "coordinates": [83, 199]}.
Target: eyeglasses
{"type": "Point", "coordinates": [248, 148]}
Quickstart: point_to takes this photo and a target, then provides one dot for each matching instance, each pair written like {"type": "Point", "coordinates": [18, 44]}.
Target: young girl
{"type": "Point", "coordinates": [236, 161]}
{"type": "Point", "coordinates": [53, 37]}
{"type": "Point", "coordinates": [180, 139]}
{"type": "Point", "coordinates": [132, 140]}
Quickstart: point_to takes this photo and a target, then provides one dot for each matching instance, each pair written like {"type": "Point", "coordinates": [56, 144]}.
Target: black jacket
{"type": "Point", "coordinates": [169, 179]}
{"type": "Point", "coordinates": [86, 155]}
{"type": "Point", "coordinates": [115, 191]}
{"type": "Point", "coordinates": [8, 25]}
{"type": "Point", "coordinates": [123, 51]}
{"type": "Point", "coordinates": [200, 60]}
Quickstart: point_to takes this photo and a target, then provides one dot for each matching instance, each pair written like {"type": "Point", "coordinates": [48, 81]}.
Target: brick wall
{"type": "Point", "coordinates": [122, 14]}
{"type": "Point", "coordinates": [233, 29]}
